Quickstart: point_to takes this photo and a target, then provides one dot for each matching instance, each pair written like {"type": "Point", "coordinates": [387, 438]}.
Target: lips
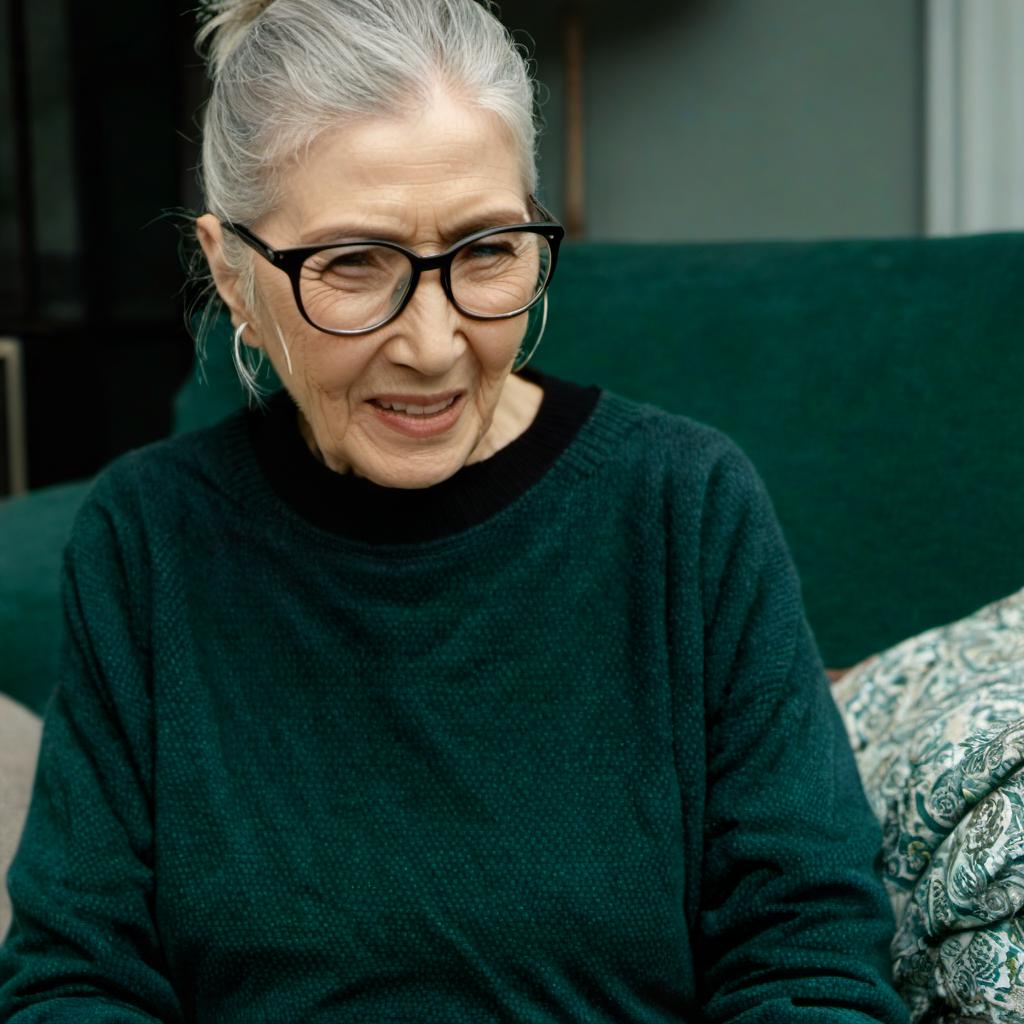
{"type": "Point", "coordinates": [414, 408]}
{"type": "Point", "coordinates": [416, 404]}
{"type": "Point", "coordinates": [419, 423]}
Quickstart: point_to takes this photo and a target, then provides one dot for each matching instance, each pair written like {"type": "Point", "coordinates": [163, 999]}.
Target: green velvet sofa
{"type": "Point", "coordinates": [877, 386]}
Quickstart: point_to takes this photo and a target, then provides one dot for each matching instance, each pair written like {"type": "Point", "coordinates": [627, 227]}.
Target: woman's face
{"type": "Point", "coordinates": [425, 182]}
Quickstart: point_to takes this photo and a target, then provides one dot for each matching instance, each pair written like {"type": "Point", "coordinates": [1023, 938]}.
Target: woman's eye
{"type": "Point", "coordinates": [352, 260]}
{"type": "Point", "coordinates": [483, 250]}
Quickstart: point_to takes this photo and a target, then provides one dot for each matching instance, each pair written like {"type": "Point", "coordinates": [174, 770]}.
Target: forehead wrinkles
{"type": "Point", "coordinates": [422, 210]}
{"type": "Point", "coordinates": [417, 214]}
{"type": "Point", "coordinates": [406, 175]}
{"type": "Point", "coordinates": [388, 167]}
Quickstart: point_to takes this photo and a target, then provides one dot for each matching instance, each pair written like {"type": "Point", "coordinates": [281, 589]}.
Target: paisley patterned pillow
{"type": "Point", "coordinates": [937, 726]}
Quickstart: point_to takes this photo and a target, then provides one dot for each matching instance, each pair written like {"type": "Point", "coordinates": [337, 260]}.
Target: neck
{"type": "Point", "coordinates": [517, 409]}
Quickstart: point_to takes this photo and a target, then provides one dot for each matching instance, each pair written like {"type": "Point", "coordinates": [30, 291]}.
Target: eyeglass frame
{"type": "Point", "coordinates": [291, 260]}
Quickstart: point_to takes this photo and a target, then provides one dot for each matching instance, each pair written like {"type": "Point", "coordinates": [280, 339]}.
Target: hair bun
{"type": "Point", "coordinates": [225, 22]}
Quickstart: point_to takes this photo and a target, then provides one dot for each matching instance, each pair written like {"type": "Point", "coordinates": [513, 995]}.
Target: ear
{"type": "Point", "coordinates": [211, 238]}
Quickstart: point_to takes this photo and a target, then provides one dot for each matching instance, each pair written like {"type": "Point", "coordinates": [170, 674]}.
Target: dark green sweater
{"type": "Point", "coordinates": [548, 742]}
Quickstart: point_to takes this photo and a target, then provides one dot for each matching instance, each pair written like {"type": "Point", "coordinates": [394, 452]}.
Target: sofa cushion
{"type": "Point", "coordinates": [20, 732]}
{"type": "Point", "coordinates": [937, 726]}
{"type": "Point", "coordinates": [34, 529]}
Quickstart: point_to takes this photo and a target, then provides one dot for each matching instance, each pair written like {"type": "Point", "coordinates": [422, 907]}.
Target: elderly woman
{"type": "Point", "coordinates": [433, 690]}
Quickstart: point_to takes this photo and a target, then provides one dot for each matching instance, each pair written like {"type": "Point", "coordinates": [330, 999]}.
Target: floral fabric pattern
{"type": "Point", "coordinates": [937, 727]}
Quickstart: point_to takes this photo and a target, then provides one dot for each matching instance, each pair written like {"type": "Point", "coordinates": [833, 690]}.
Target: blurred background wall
{"type": "Point", "coordinates": [667, 120]}
{"type": "Point", "coordinates": [744, 119]}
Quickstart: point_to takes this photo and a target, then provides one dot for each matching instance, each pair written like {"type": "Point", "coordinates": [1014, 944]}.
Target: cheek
{"type": "Point", "coordinates": [281, 324]}
{"type": "Point", "coordinates": [320, 362]}
{"type": "Point", "coordinates": [274, 295]}
{"type": "Point", "coordinates": [333, 365]}
{"type": "Point", "coordinates": [497, 343]}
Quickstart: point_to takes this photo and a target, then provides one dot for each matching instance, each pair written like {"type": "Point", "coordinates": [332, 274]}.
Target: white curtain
{"type": "Point", "coordinates": [975, 116]}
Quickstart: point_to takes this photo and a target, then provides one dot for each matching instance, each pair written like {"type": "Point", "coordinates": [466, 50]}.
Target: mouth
{"type": "Point", "coordinates": [418, 409]}
{"type": "Point", "coordinates": [428, 416]}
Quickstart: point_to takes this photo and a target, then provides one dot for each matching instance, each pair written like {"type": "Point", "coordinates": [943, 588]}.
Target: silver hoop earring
{"type": "Point", "coordinates": [238, 342]}
{"type": "Point", "coordinates": [246, 373]}
{"type": "Point", "coordinates": [524, 356]}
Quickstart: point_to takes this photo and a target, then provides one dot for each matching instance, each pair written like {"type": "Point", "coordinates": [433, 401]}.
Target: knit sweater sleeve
{"type": "Point", "coordinates": [794, 922]}
{"type": "Point", "coordinates": [83, 945]}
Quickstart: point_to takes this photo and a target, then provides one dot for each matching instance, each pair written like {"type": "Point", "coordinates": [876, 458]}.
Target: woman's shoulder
{"type": "Point", "coordinates": [167, 479]}
{"type": "Point", "coordinates": [681, 451]}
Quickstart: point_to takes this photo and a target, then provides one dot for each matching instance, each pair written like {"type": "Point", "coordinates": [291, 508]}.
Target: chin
{"type": "Point", "coordinates": [408, 476]}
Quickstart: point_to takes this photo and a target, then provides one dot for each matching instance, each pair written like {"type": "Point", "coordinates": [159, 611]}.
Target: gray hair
{"type": "Point", "coordinates": [284, 71]}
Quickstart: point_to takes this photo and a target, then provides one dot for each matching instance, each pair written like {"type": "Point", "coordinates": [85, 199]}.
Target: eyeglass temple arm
{"type": "Point", "coordinates": [250, 239]}
{"type": "Point", "coordinates": [542, 210]}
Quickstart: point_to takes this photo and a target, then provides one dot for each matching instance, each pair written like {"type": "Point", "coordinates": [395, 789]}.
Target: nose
{"type": "Point", "coordinates": [428, 335]}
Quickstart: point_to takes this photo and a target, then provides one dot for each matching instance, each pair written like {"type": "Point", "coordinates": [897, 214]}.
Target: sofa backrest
{"type": "Point", "coordinates": [877, 386]}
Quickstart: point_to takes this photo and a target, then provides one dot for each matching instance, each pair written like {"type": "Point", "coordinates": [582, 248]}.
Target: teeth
{"type": "Point", "coordinates": [416, 410]}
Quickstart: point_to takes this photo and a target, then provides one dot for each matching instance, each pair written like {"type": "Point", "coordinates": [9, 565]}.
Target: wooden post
{"type": "Point", "coordinates": [575, 208]}
{"type": "Point", "coordinates": [24, 171]}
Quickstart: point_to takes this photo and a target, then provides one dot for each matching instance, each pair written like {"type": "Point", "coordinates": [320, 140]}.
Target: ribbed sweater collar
{"type": "Point", "coordinates": [354, 507]}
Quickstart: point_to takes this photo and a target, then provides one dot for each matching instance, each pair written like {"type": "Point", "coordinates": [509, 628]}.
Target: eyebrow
{"type": "Point", "coordinates": [349, 232]}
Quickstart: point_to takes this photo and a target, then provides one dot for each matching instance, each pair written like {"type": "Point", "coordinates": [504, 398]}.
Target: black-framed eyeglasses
{"type": "Point", "coordinates": [358, 286]}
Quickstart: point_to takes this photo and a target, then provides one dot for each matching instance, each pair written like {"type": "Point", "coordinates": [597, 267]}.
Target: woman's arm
{"type": "Point", "coordinates": [795, 925]}
{"type": "Point", "coordinates": [83, 946]}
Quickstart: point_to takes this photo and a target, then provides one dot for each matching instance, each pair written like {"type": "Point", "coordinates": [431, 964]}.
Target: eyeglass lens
{"type": "Point", "coordinates": [355, 287]}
